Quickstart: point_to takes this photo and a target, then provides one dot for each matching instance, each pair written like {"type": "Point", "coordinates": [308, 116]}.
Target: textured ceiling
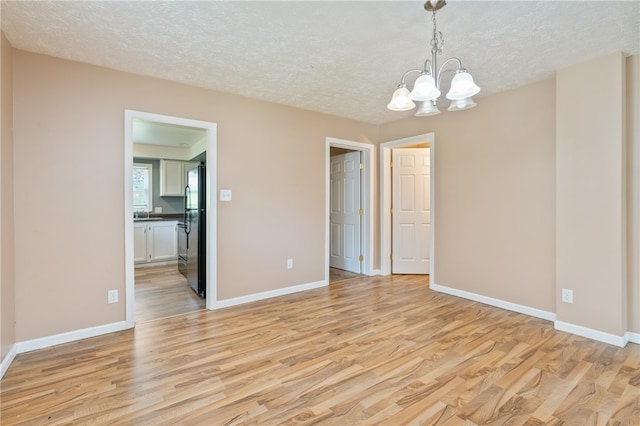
{"type": "Point", "coordinates": [342, 58]}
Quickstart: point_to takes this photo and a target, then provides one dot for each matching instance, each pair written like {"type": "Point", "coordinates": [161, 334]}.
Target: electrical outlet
{"type": "Point", "coordinates": [289, 263]}
{"type": "Point", "coordinates": [567, 295]}
{"type": "Point", "coordinates": [112, 296]}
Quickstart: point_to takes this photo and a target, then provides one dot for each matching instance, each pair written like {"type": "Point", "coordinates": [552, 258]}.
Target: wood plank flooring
{"type": "Point", "coordinates": [336, 275]}
{"type": "Point", "coordinates": [364, 351]}
{"type": "Point", "coordinates": [161, 291]}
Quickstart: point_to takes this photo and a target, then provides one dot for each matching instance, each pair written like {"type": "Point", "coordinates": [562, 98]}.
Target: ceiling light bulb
{"type": "Point", "coordinates": [426, 109]}
{"type": "Point", "coordinates": [462, 86]}
{"type": "Point", "coordinates": [461, 104]}
{"type": "Point", "coordinates": [400, 100]}
{"type": "Point", "coordinates": [424, 89]}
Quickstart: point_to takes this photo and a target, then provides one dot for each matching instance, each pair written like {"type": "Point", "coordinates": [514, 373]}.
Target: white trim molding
{"type": "Point", "coordinates": [70, 336]}
{"type": "Point", "coordinates": [612, 339]}
{"type": "Point", "coordinates": [385, 198]}
{"type": "Point", "coordinates": [590, 333]}
{"type": "Point", "coordinates": [527, 310]}
{"type": "Point", "coordinates": [219, 304]}
{"type": "Point", "coordinates": [368, 160]}
{"type": "Point", "coordinates": [633, 337]}
{"type": "Point", "coordinates": [211, 145]}
{"type": "Point", "coordinates": [8, 359]}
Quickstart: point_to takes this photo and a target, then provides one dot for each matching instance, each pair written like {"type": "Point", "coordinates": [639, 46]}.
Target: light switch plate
{"type": "Point", "coordinates": [225, 195]}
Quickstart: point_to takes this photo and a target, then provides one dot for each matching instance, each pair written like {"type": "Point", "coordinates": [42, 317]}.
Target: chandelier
{"type": "Point", "coordinates": [426, 88]}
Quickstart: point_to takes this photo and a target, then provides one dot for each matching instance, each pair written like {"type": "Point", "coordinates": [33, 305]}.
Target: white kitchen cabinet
{"type": "Point", "coordinates": [163, 241]}
{"type": "Point", "coordinates": [173, 177]}
{"type": "Point", "coordinates": [140, 242]}
{"type": "Point", "coordinates": [155, 241]}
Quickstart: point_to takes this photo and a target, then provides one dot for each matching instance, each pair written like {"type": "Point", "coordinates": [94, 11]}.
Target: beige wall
{"type": "Point", "coordinates": [495, 191]}
{"type": "Point", "coordinates": [494, 200]}
{"type": "Point", "coordinates": [495, 225]}
{"type": "Point", "coordinates": [7, 281]}
{"type": "Point", "coordinates": [590, 197]}
{"type": "Point", "coordinates": [69, 188]}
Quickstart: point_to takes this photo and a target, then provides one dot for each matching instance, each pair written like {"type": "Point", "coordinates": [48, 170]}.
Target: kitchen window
{"type": "Point", "coordinates": [142, 187]}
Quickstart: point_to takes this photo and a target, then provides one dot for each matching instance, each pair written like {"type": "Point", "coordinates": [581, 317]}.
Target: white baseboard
{"type": "Point", "coordinates": [45, 342]}
{"type": "Point", "coordinates": [376, 272]}
{"type": "Point", "coordinates": [600, 336]}
{"type": "Point", "coordinates": [218, 304]}
{"type": "Point", "coordinates": [56, 339]}
{"type": "Point", "coordinates": [158, 263]}
{"type": "Point", "coordinates": [633, 337]}
{"type": "Point", "coordinates": [538, 313]}
{"type": "Point", "coordinates": [7, 360]}
{"type": "Point", "coordinates": [590, 333]}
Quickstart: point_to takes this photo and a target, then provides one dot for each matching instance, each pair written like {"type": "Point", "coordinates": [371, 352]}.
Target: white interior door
{"type": "Point", "coordinates": [411, 219]}
{"type": "Point", "coordinates": [345, 212]}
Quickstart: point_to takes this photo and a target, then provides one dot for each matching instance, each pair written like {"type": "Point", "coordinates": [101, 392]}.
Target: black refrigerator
{"type": "Point", "coordinates": [195, 229]}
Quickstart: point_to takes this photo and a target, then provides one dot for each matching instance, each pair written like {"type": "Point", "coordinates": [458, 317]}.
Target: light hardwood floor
{"type": "Point", "coordinates": [336, 275]}
{"type": "Point", "coordinates": [161, 291]}
{"type": "Point", "coordinates": [364, 351]}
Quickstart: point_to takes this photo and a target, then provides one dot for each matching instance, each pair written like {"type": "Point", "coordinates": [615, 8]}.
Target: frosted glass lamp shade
{"type": "Point", "coordinates": [400, 100]}
{"type": "Point", "coordinates": [424, 89]}
{"type": "Point", "coordinates": [461, 104]}
{"type": "Point", "coordinates": [462, 86]}
{"type": "Point", "coordinates": [427, 108]}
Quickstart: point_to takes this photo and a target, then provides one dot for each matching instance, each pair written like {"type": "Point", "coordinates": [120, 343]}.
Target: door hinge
{"type": "Point", "coordinates": [390, 256]}
{"type": "Point", "coordinates": [361, 258]}
{"type": "Point", "coordinates": [360, 212]}
{"type": "Point", "coordinates": [391, 164]}
{"type": "Point", "coordinates": [361, 166]}
{"type": "Point", "coordinates": [391, 210]}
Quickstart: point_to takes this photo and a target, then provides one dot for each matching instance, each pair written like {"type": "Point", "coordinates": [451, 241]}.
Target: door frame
{"type": "Point", "coordinates": [211, 147]}
{"type": "Point", "coordinates": [385, 199]}
{"type": "Point", "coordinates": [366, 193]}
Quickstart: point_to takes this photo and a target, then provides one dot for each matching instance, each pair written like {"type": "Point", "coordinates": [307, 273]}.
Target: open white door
{"type": "Point", "coordinates": [345, 212]}
{"type": "Point", "coordinates": [411, 219]}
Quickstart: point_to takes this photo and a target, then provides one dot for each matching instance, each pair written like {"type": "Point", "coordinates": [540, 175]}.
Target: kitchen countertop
{"type": "Point", "coordinates": [159, 217]}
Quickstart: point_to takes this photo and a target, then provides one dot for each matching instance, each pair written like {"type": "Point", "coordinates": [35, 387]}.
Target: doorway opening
{"type": "Point", "coordinates": [175, 156]}
{"type": "Point", "coordinates": [386, 225]}
{"type": "Point", "coordinates": [357, 254]}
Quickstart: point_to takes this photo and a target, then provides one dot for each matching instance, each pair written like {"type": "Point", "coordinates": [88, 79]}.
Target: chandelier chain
{"type": "Point", "coordinates": [437, 42]}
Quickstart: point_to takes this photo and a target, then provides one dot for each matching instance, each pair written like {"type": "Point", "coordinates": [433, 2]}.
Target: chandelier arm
{"type": "Point", "coordinates": [402, 83]}
{"type": "Point", "coordinates": [430, 65]}
{"type": "Point", "coordinates": [441, 69]}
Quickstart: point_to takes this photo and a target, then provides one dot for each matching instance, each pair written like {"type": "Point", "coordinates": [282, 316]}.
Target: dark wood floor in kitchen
{"type": "Point", "coordinates": [161, 291]}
